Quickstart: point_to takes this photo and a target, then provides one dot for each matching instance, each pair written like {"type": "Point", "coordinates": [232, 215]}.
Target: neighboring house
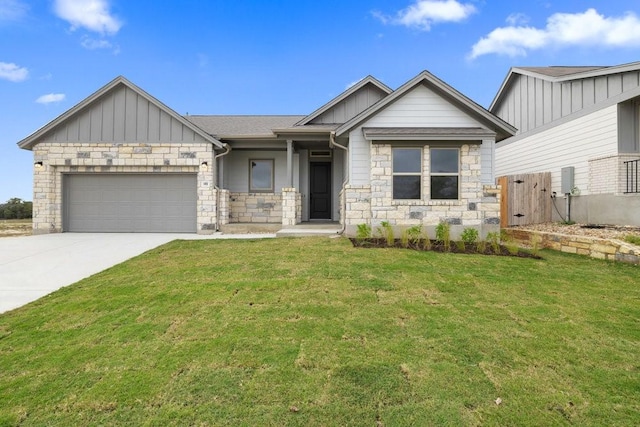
{"type": "Point", "coordinates": [580, 119]}
{"type": "Point", "coordinates": [122, 161]}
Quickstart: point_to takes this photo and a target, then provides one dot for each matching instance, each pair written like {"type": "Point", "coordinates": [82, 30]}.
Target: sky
{"type": "Point", "coordinates": [279, 56]}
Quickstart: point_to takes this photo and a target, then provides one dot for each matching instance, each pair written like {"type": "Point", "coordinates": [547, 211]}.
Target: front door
{"type": "Point", "coordinates": [320, 183]}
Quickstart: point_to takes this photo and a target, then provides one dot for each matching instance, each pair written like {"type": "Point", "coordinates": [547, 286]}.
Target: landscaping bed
{"type": "Point", "coordinates": [456, 247]}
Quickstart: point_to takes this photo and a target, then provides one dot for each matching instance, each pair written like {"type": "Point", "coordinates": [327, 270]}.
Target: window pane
{"type": "Point", "coordinates": [406, 160]}
{"type": "Point", "coordinates": [261, 174]}
{"type": "Point", "coordinates": [444, 187]}
{"type": "Point", "coordinates": [444, 160]}
{"type": "Point", "coordinates": [406, 187]}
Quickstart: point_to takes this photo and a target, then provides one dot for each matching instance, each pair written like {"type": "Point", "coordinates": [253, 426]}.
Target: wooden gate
{"type": "Point", "coordinates": [525, 199]}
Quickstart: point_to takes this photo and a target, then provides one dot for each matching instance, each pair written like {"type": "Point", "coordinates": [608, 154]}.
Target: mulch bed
{"type": "Point", "coordinates": [439, 246]}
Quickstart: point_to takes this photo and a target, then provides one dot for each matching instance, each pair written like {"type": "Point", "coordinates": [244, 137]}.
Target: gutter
{"type": "Point", "coordinates": [333, 143]}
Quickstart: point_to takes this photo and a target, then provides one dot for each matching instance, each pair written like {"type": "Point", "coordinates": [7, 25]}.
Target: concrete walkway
{"type": "Point", "coordinates": [34, 266]}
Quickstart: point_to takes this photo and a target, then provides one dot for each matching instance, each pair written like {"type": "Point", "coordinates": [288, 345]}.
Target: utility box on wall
{"type": "Point", "coordinates": [567, 179]}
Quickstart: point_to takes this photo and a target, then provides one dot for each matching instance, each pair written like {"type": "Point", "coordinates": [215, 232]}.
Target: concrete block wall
{"type": "Point", "coordinates": [255, 207]}
{"type": "Point", "coordinates": [478, 205]}
{"type": "Point", "coordinates": [63, 158]}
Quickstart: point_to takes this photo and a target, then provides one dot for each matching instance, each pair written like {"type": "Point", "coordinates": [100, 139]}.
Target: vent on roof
{"type": "Point", "coordinates": [320, 153]}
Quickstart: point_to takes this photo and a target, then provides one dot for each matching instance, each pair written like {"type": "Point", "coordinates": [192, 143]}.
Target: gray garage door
{"type": "Point", "coordinates": [129, 203]}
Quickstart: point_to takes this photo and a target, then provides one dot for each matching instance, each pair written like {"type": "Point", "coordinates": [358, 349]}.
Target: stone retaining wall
{"type": "Point", "coordinates": [612, 250]}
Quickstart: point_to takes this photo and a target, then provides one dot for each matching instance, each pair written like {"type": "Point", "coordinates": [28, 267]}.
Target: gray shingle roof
{"type": "Point", "coordinates": [242, 125]}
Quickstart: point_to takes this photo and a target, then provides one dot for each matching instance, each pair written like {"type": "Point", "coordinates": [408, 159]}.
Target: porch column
{"type": "Point", "coordinates": [289, 163]}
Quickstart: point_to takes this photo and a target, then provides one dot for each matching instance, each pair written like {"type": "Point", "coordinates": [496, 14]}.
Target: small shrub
{"type": "Point", "coordinates": [413, 235]}
{"type": "Point", "coordinates": [633, 239]}
{"type": "Point", "coordinates": [363, 232]}
{"type": "Point", "coordinates": [512, 247]}
{"type": "Point", "coordinates": [494, 241]}
{"type": "Point", "coordinates": [386, 231]}
{"type": "Point", "coordinates": [443, 234]}
{"type": "Point", "coordinates": [536, 241]}
{"type": "Point", "coordinates": [462, 247]}
{"type": "Point", "coordinates": [404, 238]}
{"type": "Point", "coordinates": [426, 241]}
{"type": "Point", "coordinates": [481, 246]}
{"type": "Point", "coordinates": [469, 235]}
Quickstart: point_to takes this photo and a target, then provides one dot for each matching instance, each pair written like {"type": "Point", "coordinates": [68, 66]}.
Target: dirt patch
{"type": "Point", "coordinates": [15, 227]}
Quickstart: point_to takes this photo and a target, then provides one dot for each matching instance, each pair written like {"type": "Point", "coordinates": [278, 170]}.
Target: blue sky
{"type": "Point", "coordinates": [279, 56]}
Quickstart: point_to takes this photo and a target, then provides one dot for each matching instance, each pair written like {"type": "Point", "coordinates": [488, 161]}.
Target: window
{"type": "Point", "coordinates": [407, 173]}
{"type": "Point", "coordinates": [444, 173]}
{"type": "Point", "coordinates": [260, 175]}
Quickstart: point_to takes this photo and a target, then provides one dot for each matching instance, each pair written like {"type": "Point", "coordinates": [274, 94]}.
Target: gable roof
{"type": "Point", "coordinates": [503, 129]}
{"type": "Point", "coordinates": [369, 80]}
{"type": "Point", "coordinates": [558, 74]}
{"type": "Point", "coordinates": [28, 142]}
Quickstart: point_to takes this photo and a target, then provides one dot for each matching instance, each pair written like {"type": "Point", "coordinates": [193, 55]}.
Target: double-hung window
{"type": "Point", "coordinates": [261, 175]}
{"type": "Point", "coordinates": [445, 173]}
{"type": "Point", "coordinates": [407, 173]}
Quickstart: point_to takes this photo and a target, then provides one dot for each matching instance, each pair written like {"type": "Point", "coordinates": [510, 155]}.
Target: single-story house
{"type": "Point", "coordinates": [580, 122]}
{"type": "Point", "coordinates": [122, 161]}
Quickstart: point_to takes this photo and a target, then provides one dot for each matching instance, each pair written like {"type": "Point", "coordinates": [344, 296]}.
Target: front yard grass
{"type": "Point", "coordinates": [315, 332]}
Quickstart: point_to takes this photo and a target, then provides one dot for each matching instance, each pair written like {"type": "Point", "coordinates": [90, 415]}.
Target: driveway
{"type": "Point", "coordinates": [34, 266]}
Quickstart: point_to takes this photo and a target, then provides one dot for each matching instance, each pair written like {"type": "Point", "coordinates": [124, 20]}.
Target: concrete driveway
{"type": "Point", "coordinates": [34, 266]}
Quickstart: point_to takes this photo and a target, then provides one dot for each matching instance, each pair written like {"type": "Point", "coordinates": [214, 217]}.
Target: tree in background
{"type": "Point", "coordinates": [16, 208]}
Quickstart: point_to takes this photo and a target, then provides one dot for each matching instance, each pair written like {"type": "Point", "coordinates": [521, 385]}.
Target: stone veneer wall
{"type": "Point", "coordinates": [255, 207]}
{"type": "Point", "coordinates": [63, 158]}
{"type": "Point", "coordinates": [223, 207]}
{"type": "Point", "coordinates": [607, 175]}
{"type": "Point", "coordinates": [612, 250]}
{"type": "Point", "coordinates": [291, 207]}
{"type": "Point", "coordinates": [477, 207]}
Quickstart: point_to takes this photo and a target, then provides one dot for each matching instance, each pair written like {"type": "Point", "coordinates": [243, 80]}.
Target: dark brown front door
{"type": "Point", "coordinates": [320, 203]}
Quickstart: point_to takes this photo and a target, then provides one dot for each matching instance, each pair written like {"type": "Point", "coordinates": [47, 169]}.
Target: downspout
{"type": "Point", "coordinates": [343, 214]}
{"type": "Point", "coordinates": [220, 173]}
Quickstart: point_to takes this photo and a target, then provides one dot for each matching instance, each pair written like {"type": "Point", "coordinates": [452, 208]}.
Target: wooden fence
{"type": "Point", "coordinates": [525, 199]}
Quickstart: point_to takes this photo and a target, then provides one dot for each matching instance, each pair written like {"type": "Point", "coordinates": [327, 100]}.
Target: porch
{"type": "Point", "coordinates": [305, 229]}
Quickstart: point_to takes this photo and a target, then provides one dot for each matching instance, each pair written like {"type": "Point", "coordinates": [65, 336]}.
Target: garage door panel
{"type": "Point", "coordinates": [130, 203]}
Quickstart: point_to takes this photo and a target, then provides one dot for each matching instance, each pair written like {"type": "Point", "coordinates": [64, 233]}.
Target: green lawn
{"type": "Point", "coordinates": [314, 332]}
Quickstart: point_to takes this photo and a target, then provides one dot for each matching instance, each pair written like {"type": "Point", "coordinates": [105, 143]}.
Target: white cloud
{"type": "Point", "coordinates": [424, 13]}
{"type": "Point", "coordinates": [92, 44]}
{"type": "Point", "coordinates": [93, 15]}
{"type": "Point", "coordinates": [12, 10]}
{"type": "Point", "coordinates": [517, 19]}
{"type": "Point", "coordinates": [588, 29]}
{"type": "Point", "coordinates": [51, 98]}
{"type": "Point", "coordinates": [12, 72]}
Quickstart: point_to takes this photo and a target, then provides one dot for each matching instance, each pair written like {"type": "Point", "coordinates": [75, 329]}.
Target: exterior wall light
{"type": "Point", "coordinates": [37, 165]}
{"type": "Point", "coordinates": [204, 166]}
